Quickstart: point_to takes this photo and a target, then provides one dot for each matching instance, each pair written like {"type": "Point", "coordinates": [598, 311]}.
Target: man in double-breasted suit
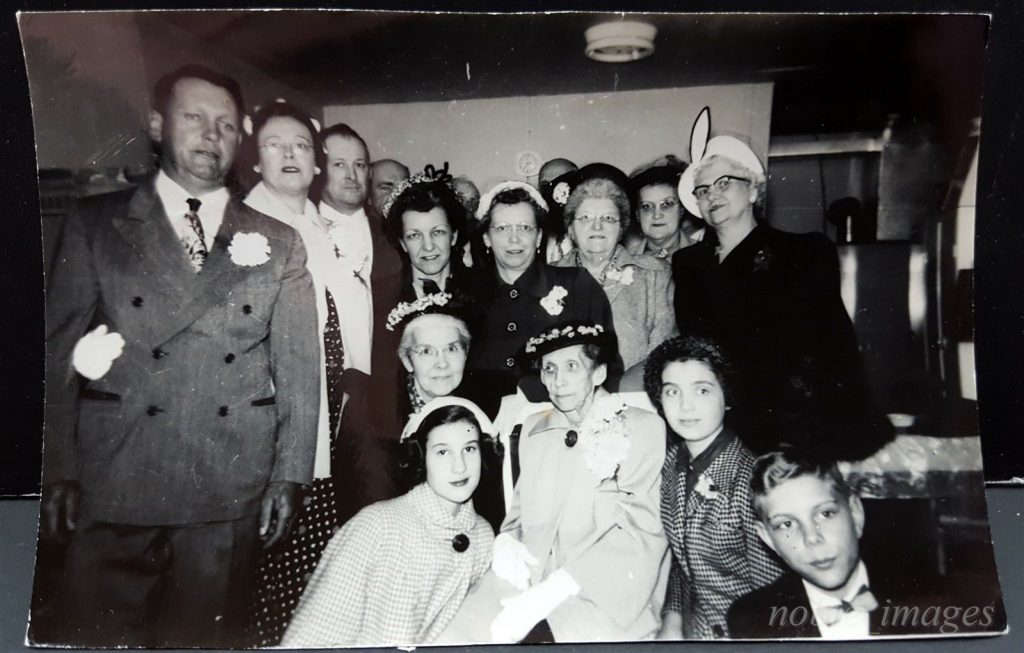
{"type": "Point", "coordinates": [168, 461]}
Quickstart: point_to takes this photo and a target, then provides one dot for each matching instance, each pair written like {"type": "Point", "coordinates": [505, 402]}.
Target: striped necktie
{"type": "Point", "coordinates": [194, 239]}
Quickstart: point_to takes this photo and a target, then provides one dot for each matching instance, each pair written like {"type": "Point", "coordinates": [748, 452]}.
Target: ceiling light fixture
{"type": "Point", "coordinates": [620, 41]}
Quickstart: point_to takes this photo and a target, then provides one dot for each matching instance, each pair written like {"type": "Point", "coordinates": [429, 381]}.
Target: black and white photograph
{"type": "Point", "coordinates": [386, 328]}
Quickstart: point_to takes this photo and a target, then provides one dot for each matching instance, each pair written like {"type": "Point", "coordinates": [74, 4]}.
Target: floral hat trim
{"type": "Point", "coordinates": [561, 192]}
{"type": "Point", "coordinates": [430, 175]}
{"type": "Point", "coordinates": [406, 310]}
{"type": "Point", "coordinates": [558, 333]}
{"type": "Point", "coordinates": [488, 198]}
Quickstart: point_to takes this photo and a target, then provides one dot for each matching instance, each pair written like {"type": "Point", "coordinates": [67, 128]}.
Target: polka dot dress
{"type": "Point", "coordinates": [283, 573]}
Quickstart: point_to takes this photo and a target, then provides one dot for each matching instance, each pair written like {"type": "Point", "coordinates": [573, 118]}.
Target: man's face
{"type": "Point", "coordinates": [199, 135]}
{"type": "Point", "coordinates": [814, 530]}
{"type": "Point", "coordinates": [384, 176]}
{"type": "Point", "coordinates": [553, 170]}
{"type": "Point", "coordinates": [468, 194]}
{"type": "Point", "coordinates": [347, 173]}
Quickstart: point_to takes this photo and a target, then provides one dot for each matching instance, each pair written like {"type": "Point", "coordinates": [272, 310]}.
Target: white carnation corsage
{"type": "Point", "coordinates": [554, 301]}
{"type": "Point", "coordinates": [706, 487]}
{"type": "Point", "coordinates": [249, 249]}
{"type": "Point", "coordinates": [603, 438]}
{"type": "Point", "coordinates": [623, 276]}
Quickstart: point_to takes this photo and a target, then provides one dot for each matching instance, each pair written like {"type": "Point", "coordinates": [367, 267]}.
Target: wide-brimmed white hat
{"type": "Point", "coordinates": [701, 148]}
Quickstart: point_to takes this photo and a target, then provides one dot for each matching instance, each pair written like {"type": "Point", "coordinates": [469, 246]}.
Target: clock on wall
{"type": "Point", "coordinates": [528, 163]}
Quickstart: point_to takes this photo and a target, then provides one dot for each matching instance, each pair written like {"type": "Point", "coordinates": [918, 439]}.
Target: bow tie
{"type": "Point", "coordinates": [430, 287]}
{"type": "Point", "coordinates": [864, 601]}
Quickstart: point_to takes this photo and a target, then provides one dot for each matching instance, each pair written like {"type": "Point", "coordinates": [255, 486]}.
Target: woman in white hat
{"type": "Point", "coordinates": [772, 300]}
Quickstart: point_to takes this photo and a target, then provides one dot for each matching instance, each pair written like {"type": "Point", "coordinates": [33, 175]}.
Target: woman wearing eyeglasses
{"type": "Point", "coordinates": [658, 211]}
{"type": "Point", "coordinates": [597, 213]}
{"type": "Point", "coordinates": [284, 145]}
{"type": "Point", "coordinates": [520, 295]}
{"type": "Point", "coordinates": [772, 301]}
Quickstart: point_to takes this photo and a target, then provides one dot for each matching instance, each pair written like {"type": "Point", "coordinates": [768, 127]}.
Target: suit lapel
{"type": "Point", "coordinates": [218, 277]}
{"type": "Point", "coordinates": [156, 247]}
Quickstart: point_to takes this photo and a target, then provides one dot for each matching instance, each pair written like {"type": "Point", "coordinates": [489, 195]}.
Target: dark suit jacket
{"type": "Point", "coordinates": [905, 607]}
{"type": "Point", "coordinates": [774, 306]}
{"type": "Point", "coordinates": [216, 393]}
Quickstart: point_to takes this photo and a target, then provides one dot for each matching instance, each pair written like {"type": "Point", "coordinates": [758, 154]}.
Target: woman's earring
{"type": "Point", "coordinates": [316, 170]}
{"type": "Point", "coordinates": [487, 249]}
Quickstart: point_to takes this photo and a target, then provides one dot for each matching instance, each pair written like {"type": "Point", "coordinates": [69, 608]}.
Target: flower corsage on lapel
{"type": "Point", "coordinates": [706, 487]}
{"type": "Point", "coordinates": [603, 438]}
{"type": "Point", "coordinates": [622, 275]}
{"type": "Point", "coordinates": [763, 260]}
{"type": "Point", "coordinates": [554, 301]}
{"type": "Point", "coordinates": [249, 249]}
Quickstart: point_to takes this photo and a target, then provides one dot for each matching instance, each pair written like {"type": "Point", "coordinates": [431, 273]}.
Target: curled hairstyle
{"type": "Point", "coordinates": [600, 188]}
{"type": "Point", "coordinates": [679, 350]}
{"type": "Point", "coordinates": [280, 109]}
{"type": "Point", "coordinates": [776, 467]}
{"type": "Point", "coordinates": [511, 197]}
{"type": "Point", "coordinates": [412, 464]}
{"type": "Point", "coordinates": [757, 180]}
{"type": "Point", "coordinates": [425, 197]}
{"type": "Point", "coordinates": [164, 88]}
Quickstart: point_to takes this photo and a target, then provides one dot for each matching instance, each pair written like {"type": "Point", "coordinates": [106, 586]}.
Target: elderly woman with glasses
{"type": "Point", "coordinates": [518, 293]}
{"type": "Point", "coordinates": [659, 213]}
{"type": "Point", "coordinates": [772, 301]}
{"type": "Point", "coordinates": [433, 345]}
{"type": "Point", "coordinates": [596, 213]}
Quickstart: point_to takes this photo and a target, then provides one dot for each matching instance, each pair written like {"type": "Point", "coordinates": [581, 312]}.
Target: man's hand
{"type": "Point", "coordinates": [280, 504]}
{"type": "Point", "coordinates": [60, 509]}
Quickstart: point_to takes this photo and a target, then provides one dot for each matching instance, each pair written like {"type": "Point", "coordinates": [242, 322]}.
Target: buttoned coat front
{"type": "Point", "coordinates": [216, 392]}
{"type": "Point", "coordinates": [606, 533]}
{"type": "Point", "coordinates": [717, 556]}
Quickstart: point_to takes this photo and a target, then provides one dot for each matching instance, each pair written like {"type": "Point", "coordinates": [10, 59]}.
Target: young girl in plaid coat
{"type": "Point", "coordinates": [398, 571]}
{"type": "Point", "coordinates": [705, 492]}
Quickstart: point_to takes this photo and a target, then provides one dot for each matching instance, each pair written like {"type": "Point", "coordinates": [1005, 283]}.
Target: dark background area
{"type": "Point", "coordinates": [834, 75]}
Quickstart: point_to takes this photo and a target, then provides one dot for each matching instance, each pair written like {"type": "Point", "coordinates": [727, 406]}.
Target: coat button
{"type": "Point", "coordinates": [513, 293]}
{"type": "Point", "coordinates": [153, 410]}
{"type": "Point", "coordinates": [136, 302]}
{"type": "Point", "coordinates": [222, 411]}
{"type": "Point", "coordinates": [511, 362]}
{"type": "Point", "coordinates": [247, 309]}
{"type": "Point", "coordinates": [230, 358]}
{"type": "Point", "coordinates": [460, 542]}
{"type": "Point", "coordinates": [512, 327]}
{"type": "Point", "coordinates": [159, 353]}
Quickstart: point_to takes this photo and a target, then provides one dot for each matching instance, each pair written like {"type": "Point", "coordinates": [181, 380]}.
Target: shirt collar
{"type": "Point", "coordinates": [533, 280]}
{"type": "Point", "coordinates": [264, 201]}
{"type": "Point", "coordinates": [332, 215]}
{"type": "Point", "coordinates": [699, 464]}
{"type": "Point", "coordinates": [436, 511]}
{"type": "Point", "coordinates": [819, 600]}
{"type": "Point", "coordinates": [174, 196]}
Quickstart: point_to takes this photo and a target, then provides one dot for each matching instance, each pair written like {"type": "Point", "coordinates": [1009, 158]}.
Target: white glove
{"type": "Point", "coordinates": [522, 612]}
{"type": "Point", "coordinates": [96, 351]}
{"type": "Point", "coordinates": [512, 561]}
